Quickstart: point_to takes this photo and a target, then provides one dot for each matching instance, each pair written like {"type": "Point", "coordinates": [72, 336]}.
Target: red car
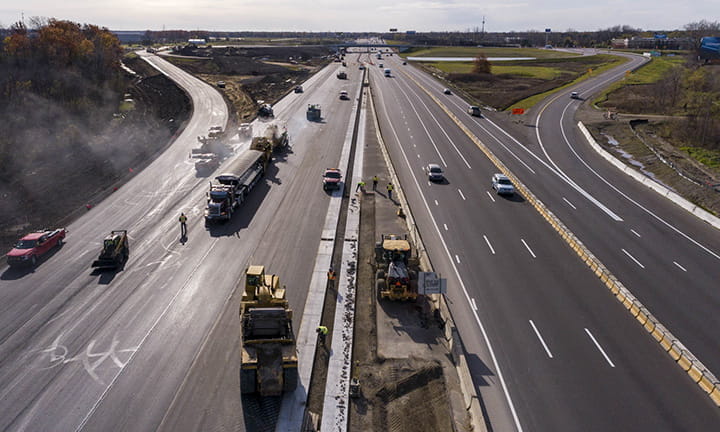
{"type": "Point", "coordinates": [30, 248]}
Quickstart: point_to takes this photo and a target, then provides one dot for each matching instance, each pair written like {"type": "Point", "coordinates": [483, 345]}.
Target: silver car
{"type": "Point", "coordinates": [435, 172]}
{"type": "Point", "coordinates": [502, 184]}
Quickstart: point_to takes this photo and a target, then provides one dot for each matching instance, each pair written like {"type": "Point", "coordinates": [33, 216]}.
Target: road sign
{"type": "Point", "coordinates": [430, 283]}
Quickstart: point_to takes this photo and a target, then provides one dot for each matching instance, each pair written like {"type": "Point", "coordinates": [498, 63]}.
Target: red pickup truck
{"type": "Point", "coordinates": [30, 248]}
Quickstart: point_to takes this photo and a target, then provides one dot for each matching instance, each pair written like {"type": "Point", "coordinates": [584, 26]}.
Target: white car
{"type": "Point", "coordinates": [502, 184]}
{"type": "Point", "coordinates": [435, 172]}
{"type": "Point", "coordinates": [447, 91]}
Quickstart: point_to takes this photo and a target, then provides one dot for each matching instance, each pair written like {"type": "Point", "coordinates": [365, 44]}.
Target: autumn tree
{"type": "Point", "coordinates": [481, 65]}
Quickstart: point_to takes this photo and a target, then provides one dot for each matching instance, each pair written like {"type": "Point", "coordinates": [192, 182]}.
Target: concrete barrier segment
{"type": "Point", "coordinates": [684, 361]}
{"type": "Point", "coordinates": [715, 394]}
{"type": "Point", "coordinates": [660, 189]}
{"type": "Point", "coordinates": [695, 373]}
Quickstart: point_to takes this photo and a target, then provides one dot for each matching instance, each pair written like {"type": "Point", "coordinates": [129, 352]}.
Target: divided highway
{"type": "Point", "coordinates": [80, 351]}
{"type": "Point", "coordinates": [549, 346]}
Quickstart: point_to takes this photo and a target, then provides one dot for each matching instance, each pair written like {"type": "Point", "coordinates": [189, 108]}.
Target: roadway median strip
{"type": "Point", "coordinates": [452, 338]}
{"type": "Point", "coordinates": [292, 411]}
{"type": "Point", "coordinates": [682, 356]}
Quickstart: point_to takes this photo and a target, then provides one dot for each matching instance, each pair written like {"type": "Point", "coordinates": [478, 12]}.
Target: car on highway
{"type": "Point", "coordinates": [33, 246]}
{"type": "Point", "coordinates": [574, 95]}
{"type": "Point", "coordinates": [435, 172]}
{"type": "Point", "coordinates": [381, 65]}
{"type": "Point", "coordinates": [474, 111]}
{"type": "Point", "coordinates": [404, 63]}
{"type": "Point", "coordinates": [502, 184]}
{"type": "Point", "coordinates": [361, 67]}
{"type": "Point", "coordinates": [344, 95]}
{"type": "Point", "coordinates": [266, 110]}
{"type": "Point", "coordinates": [447, 91]}
{"type": "Point", "coordinates": [221, 84]}
{"type": "Point", "coordinates": [331, 179]}
{"type": "Point", "coordinates": [298, 89]}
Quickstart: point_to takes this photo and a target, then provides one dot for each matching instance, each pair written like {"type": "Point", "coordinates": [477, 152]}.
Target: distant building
{"type": "Point", "coordinates": [196, 41]}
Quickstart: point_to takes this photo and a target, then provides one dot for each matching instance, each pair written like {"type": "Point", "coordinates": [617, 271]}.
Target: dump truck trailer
{"type": "Point", "coordinates": [233, 186]}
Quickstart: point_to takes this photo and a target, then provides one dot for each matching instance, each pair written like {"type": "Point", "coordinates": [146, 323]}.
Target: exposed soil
{"type": "Point", "coordinates": [396, 394]}
{"type": "Point", "coordinates": [638, 141]}
{"type": "Point", "coordinates": [58, 191]}
{"type": "Point", "coordinates": [502, 91]}
{"type": "Point", "coordinates": [252, 75]}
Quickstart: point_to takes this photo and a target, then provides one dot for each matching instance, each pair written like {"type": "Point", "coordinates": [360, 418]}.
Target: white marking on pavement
{"type": "Point", "coordinates": [679, 266]}
{"type": "Point", "coordinates": [635, 232]}
{"type": "Point", "coordinates": [569, 203]}
{"type": "Point", "coordinates": [528, 248]}
{"type": "Point", "coordinates": [461, 194]}
{"type": "Point", "coordinates": [446, 228]}
{"type": "Point", "coordinates": [633, 258]}
{"type": "Point", "coordinates": [479, 322]}
{"type": "Point", "coordinates": [542, 341]}
{"type": "Point", "coordinates": [489, 245]}
{"type": "Point", "coordinates": [472, 303]}
{"type": "Point", "coordinates": [457, 258]}
{"type": "Point", "coordinates": [436, 203]}
{"type": "Point", "coordinates": [490, 195]}
{"type": "Point", "coordinates": [599, 347]}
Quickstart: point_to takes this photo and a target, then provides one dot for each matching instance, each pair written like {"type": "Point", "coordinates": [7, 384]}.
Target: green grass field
{"type": "Point", "coordinates": [651, 72]}
{"type": "Point", "coordinates": [532, 100]}
{"type": "Point", "coordinates": [488, 51]}
{"type": "Point", "coordinates": [546, 73]}
{"type": "Point", "coordinates": [706, 157]}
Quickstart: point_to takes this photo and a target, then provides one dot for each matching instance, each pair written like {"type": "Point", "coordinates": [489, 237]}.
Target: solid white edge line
{"type": "Point", "coordinates": [599, 348]}
{"type": "Point", "coordinates": [474, 305]}
{"type": "Point", "coordinates": [542, 341]}
{"type": "Point", "coordinates": [498, 370]}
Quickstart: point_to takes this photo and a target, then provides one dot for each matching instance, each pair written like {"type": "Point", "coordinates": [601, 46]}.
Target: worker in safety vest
{"type": "Point", "coordinates": [322, 332]}
{"type": "Point", "coordinates": [389, 190]}
{"type": "Point", "coordinates": [375, 182]}
{"type": "Point", "coordinates": [183, 224]}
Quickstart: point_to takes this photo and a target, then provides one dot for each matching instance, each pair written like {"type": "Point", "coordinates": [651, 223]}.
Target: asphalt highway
{"type": "Point", "coordinates": [87, 351]}
{"type": "Point", "coordinates": [549, 346]}
{"type": "Point", "coordinates": [666, 256]}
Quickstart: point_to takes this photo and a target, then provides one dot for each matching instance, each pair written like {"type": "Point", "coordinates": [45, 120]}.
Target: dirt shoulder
{"type": "Point", "coordinates": [58, 191]}
{"type": "Point", "coordinates": [639, 142]}
{"type": "Point", "coordinates": [252, 76]}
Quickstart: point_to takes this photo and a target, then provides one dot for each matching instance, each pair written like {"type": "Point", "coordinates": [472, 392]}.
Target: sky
{"type": "Point", "coordinates": [366, 15]}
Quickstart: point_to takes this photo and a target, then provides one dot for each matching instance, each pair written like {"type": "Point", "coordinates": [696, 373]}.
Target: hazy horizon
{"type": "Point", "coordinates": [369, 16]}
